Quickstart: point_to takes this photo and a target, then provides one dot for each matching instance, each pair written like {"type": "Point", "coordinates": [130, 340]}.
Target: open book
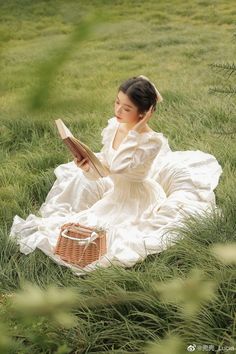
{"type": "Point", "coordinates": [80, 150]}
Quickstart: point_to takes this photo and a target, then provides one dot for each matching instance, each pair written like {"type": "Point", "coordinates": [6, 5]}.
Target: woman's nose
{"type": "Point", "coordinates": [119, 109]}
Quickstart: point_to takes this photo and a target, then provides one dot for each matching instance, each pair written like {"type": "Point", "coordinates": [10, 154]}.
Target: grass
{"type": "Point", "coordinates": [173, 44]}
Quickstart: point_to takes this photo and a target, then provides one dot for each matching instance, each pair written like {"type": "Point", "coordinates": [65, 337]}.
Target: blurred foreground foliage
{"type": "Point", "coordinates": [46, 321]}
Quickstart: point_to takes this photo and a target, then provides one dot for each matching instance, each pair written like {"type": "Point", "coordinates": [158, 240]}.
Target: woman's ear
{"type": "Point", "coordinates": [141, 115]}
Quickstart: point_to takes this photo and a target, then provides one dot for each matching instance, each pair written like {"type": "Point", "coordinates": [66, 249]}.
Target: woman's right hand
{"type": "Point", "coordinates": [83, 164]}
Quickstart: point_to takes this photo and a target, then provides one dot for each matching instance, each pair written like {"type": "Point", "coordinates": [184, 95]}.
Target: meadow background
{"type": "Point", "coordinates": [65, 59]}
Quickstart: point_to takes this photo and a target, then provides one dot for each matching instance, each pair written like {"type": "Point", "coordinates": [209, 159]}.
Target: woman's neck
{"type": "Point", "coordinates": [129, 126]}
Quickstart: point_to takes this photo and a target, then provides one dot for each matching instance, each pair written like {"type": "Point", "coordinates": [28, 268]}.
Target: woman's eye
{"type": "Point", "coordinates": [127, 110]}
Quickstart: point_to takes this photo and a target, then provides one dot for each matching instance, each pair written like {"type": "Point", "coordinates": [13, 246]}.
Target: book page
{"type": "Point", "coordinates": [63, 130]}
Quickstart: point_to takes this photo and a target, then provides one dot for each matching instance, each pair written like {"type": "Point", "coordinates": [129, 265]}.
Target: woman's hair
{"type": "Point", "coordinates": [142, 92]}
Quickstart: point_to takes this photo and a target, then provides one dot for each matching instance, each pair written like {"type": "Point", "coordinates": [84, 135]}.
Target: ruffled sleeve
{"type": "Point", "coordinates": [106, 134]}
{"type": "Point", "coordinates": [135, 154]}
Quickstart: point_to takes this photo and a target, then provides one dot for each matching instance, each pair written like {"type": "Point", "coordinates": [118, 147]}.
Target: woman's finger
{"type": "Point", "coordinates": [82, 162]}
{"type": "Point", "coordinates": [150, 110]}
{"type": "Point", "coordinates": [76, 161]}
{"type": "Point", "coordinates": [147, 115]}
{"type": "Point", "coordinates": [79, 163]}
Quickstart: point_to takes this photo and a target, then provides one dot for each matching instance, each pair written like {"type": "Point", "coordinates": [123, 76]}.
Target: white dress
{"type": "Point", "coordinates": [150, 189]}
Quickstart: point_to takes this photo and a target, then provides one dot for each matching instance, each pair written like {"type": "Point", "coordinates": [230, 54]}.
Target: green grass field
{"type": "Point", "coordinates": [53, 66]}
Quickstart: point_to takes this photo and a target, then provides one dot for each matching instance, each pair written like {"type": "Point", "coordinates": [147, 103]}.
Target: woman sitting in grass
{"type": "Point", "coordinates": [149, 189]}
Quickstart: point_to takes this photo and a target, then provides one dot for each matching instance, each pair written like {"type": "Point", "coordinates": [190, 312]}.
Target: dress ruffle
{"type": "Point", "coordinates": [195, 171]}
{"type": "Point", "coordinates": [108, 131]}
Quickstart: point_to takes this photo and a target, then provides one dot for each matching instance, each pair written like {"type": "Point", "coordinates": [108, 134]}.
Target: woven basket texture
{"type": "Point", "coordinates": [80, 250]}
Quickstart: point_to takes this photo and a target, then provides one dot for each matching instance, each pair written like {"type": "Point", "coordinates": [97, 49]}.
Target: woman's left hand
{"type": "Point", "coordinates": [142, 123]}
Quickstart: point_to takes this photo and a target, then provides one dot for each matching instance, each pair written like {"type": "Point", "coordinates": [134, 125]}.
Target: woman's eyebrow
{"type": "Point", "coordinates": [124, 103]}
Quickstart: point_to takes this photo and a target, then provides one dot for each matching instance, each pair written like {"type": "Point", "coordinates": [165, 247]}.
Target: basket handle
{"type": "Point", "coordinates": [81, 241]}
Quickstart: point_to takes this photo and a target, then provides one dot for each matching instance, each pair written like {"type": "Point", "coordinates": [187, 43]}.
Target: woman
{"type": "Point", "coordinates": [131, 203]}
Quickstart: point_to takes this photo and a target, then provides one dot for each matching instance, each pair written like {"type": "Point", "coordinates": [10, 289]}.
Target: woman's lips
{"type": "Point", "coordinates": [118, 117]}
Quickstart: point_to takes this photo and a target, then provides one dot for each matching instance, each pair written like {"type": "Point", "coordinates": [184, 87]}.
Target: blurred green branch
{"type": "Point", "coordinates": [47, 71]}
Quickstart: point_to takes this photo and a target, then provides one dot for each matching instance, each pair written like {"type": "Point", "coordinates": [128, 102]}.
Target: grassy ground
{"type": "Point", "coordinates": [172, 43]}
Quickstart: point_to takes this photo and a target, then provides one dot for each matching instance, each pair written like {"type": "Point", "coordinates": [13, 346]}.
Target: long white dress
{"type": "Point", "coordinates": [150, 189]}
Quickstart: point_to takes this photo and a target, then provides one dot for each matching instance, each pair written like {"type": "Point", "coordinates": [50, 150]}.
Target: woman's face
{"type": "Point", "coordinates": [125, 110]}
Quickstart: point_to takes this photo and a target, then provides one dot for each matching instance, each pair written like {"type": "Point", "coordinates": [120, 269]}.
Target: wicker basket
{"type": "Point", "coordinates": [79, 244]}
